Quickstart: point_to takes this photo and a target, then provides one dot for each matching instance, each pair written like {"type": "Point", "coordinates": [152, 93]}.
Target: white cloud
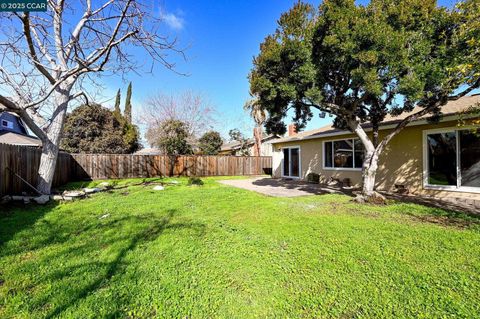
{"type": "Point", "coordinates": [173, 21]}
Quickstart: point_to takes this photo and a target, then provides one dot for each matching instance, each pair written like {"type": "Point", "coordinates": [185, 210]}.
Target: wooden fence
{"type": "Point", "coordinates": [96, 166]}
{"type": "Point", "coordinates": [24, 161]}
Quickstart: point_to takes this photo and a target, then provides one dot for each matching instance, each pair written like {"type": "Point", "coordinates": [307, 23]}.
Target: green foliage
{"type": "Point", "coordinates": [173, 138]}
{"type": "Point", "coordinates": [359, 61]}
{"type": "Point", "coordinates": [194, 181]}
{"type": "Point", "coordinates": [116, 111]}
{"type": "Point", "coordinates": [210, 143]}
{"type": "Point", "coordinates": [93, 129]}
{"type": "Point", "coordinates": [131, 134]}
{"type": "Point", "coordinates": [128, 104]}
{"type": "Point", "coordinates": [131, 137]}
{"type": "Point", "coordinates": [237, 136]}
{"type": "Point", "coordinates": [221, 252]}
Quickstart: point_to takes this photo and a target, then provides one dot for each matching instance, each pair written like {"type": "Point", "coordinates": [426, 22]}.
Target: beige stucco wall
{"type": "Point", "coordinates": [401, 162]}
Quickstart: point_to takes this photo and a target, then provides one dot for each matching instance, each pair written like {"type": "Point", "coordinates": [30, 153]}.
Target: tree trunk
{"type": "Point", "coordinates": [171, 168]}
{"type": "Point", "coordinates": [257, 134]}
{"type": "Point", "coordinates": [368, 174]}
{"type": "Point", "coordinates": [48, 160]}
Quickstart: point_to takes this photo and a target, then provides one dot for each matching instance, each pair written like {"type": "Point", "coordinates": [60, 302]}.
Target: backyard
{"type": "Point", "coordinates": [218, 251]}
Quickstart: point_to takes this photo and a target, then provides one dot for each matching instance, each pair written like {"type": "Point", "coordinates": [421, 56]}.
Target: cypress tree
{"type": "Point", "coordinates": [116, 112]}
{"type": "Point", "coordinates": [128, 104]}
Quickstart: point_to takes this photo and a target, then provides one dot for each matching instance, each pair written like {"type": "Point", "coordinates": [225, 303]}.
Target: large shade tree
{"type": "Point", "coordinates": [94, 129]}
{"type": "Point", "coordinates": [47, 56]}
{"type": "Point", "coordinates": [360, 63]}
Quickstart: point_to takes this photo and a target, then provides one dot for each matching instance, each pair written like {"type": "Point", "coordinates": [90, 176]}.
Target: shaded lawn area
{"type": "Point", "coordinates": [217, 251]}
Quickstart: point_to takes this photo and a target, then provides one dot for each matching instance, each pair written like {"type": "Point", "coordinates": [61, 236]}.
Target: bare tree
{"type": "Point", "coordinates": [188, 107]}
{"type": "Point", "coordinates": [46, 57]}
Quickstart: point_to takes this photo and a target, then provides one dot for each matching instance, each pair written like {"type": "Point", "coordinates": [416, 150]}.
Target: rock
{"type": "Point", "coordinates": [6, 199]}
{"type": "Point", "coordinates": [74, 194]}
{"type": "Point", "coordinates": [42, 199]}
{"type": "Point", "coordinates": [57, 197]}
{"type": "Point", "coordinates": [105, 185]}
{"type": "Point", "coordinates": [26, 200]}
{"type": "Point", "coordinates": [92, 190]}
{"type": "Point", "coordinates": [174, 182]}
{"type": "Point", "coordinates": [71, 195]}
{"type": "Point", "coordinates": [375, 198]}
{"type": "Point", "coordinates": [17, 198]}
{"type": "Point", "coordinates": [159, 188]}
{"type": "Point", "coordinates": [359, 199]}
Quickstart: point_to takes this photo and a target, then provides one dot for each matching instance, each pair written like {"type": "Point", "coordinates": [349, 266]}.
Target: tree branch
{"type": "Point", "coordinates": [57, 28]}
{"type": "Point", "coordinates": [15, 108]}
{"type": "Point", "coordinates": [474, 86]}
{"type": "Point", "coordinates": [26, 30]}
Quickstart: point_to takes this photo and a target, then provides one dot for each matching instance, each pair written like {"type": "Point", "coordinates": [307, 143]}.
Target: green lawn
{"type": "Point", "coordinates": [215, 251]}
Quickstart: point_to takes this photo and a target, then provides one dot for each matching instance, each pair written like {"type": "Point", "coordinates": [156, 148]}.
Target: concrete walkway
{"type": "Point", "coordinates": [281, 188]}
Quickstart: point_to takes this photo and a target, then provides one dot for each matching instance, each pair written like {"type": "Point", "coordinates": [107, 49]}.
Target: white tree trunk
{"type": "Point", "coordinates": [48, 160]}
{"type": "Point", "coordinates": [369, 172]}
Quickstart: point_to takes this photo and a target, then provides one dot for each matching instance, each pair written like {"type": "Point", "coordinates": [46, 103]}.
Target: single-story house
{"type": "Point", "coordinates": [266, 148]}
{"type": "Point", "coordinates": [14, 131]}
{"type": "Point", "coordinates": [441, 159]}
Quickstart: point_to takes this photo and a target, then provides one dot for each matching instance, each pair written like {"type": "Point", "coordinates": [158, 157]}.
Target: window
{"type": "Point", "coordinates": [7, 124]}
{"type": "Point", "coordinates": [343, 154]}
{"type": "Point", "coordinates": [291, 162]}
{"type": "Point", "coordinates": [452, 159]}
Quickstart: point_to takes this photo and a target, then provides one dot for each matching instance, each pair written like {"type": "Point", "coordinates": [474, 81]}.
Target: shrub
{"type": "Point", "coordinates": [313, 178]}
{"type": "Point", "coordinates": [195, 181]}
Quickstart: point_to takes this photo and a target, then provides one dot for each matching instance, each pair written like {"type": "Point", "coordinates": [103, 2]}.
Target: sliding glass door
{"type": "Point", "coordinates": [291, 162]}
{"type": "Point", "coordinates": [453, 159]}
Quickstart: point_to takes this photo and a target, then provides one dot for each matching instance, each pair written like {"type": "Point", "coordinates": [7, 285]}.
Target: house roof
{"type": "Point", "coordinates": [451, 108]}
{"type": "Point", "coordinates": [148, 151]}
{"type": "Point", "coordinates": [19, 139]}
{"type": "Point", "coordinates": [233, 145]}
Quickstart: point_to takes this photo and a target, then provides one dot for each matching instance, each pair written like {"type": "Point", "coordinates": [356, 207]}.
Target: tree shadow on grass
{"type": "Point", "coordinates": [433, 214]}
{"type": "Point", "coordinates": [16, 217]}
{"type": "Point", "coordinates": [156, 226]}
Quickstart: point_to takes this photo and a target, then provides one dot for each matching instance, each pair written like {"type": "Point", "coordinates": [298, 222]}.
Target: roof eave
{"type": "Point", "coordinates": [384, 126]}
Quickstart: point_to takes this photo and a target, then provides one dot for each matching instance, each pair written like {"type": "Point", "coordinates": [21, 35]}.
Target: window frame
{"type": "Point", "coordinates": [9, 124]}
{"type": "Point", "coordinates": [290, 159]}
{"type": "Point", "coordinates": [452, 188]}
{"type": "Point", "coordinates": [324, 155]}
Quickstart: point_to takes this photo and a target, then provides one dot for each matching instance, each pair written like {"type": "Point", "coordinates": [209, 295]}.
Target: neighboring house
{"type": "Point", "coordinates": [148, 151]}
{"type": "Point", "coordinates": [441, 159]}
{"type": "Point", "coordinates": [14, 131]}
{"type": "Point", "coordinates": [266, 148]}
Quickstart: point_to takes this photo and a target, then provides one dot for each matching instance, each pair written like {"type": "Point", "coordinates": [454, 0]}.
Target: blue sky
{"type": "Point", "coordinates": [222, 37]}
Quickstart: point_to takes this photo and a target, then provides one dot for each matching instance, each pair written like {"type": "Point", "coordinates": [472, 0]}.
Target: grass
{"type": "Point", "coordinates": [215, 251]}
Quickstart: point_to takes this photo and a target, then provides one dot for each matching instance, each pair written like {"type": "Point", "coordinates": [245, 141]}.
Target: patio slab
{"type": "Point", "coordinates": [293, 188]}
{"type": "Point", "coordinates": [281, 187]}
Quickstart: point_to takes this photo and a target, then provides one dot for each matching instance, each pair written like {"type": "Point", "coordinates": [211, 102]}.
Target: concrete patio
{"type": "Point", "coordinates": [293, 188]}
{"type": "Point", "coordinates": [283, 187]}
